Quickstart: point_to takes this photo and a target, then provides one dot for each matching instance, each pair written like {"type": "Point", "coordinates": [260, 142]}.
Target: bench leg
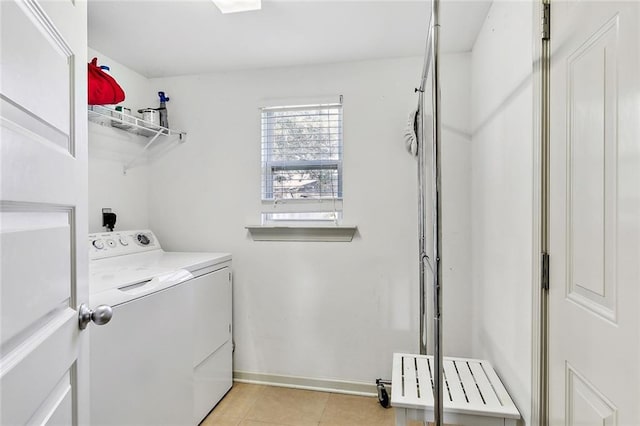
{"type": "Point", "coordinates": [401, 416]}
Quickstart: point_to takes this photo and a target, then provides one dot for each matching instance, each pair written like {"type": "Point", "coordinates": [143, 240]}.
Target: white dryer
{"type": "Point", "coordinates": [165, 358]}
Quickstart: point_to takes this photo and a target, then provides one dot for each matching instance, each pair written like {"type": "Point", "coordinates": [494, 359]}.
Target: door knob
{"type": "Point", "coordinates": [100, 316]}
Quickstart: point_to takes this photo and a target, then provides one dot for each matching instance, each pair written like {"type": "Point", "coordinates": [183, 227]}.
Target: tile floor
{"type": "Point", "coordinates": [258, 405]}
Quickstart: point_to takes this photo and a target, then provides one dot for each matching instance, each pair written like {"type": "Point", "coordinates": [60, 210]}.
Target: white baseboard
{"type": "Point", "coordinates": [322, 385]}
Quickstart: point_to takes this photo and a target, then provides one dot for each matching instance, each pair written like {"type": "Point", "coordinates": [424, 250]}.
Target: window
{"type": "Point", "coordinates": [302, 163]}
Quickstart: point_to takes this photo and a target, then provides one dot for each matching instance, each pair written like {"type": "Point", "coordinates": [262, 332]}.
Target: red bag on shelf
{"type": "Point", "coordinates": [103, 89]}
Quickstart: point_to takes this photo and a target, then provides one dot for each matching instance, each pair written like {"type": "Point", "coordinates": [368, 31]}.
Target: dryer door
{"type": "Point", "coordinates": [212, 362]}
{"type": "Point", "coordinates": [213, 313]}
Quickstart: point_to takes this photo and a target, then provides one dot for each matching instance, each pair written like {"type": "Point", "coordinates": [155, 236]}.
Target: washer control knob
{"type": "Point", "coordinates": [143, 239]}
{"type": "Point", "coordinates": [99, 244]}
{"type": "Point", "coordinates": [123, 241]}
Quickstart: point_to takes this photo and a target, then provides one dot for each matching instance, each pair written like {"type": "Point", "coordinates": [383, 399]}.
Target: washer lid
{"type": "Point", "coordinates": [120, 294]}
{"type": "Point", "coordinates": [109, 276]}
{"type": "Point", "coordinates": [191, 261]}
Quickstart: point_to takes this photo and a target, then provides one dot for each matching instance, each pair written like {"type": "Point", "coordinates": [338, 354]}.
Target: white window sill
{"type": "Point", "coordinates": [326, 233]}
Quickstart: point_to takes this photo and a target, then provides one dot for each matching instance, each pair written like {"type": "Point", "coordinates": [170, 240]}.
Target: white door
{"type": "Point", "coordinates": [43, 218]}
{"type": "Point", "coordinates": [594, 296]}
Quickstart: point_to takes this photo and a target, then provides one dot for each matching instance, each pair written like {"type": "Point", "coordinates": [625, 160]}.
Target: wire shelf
{"type": "Point", "coordinates": [129, 123]}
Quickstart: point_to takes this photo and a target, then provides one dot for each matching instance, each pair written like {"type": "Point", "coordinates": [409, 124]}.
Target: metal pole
{"type": "Point", "coordinates": [422, 202]}
{"type": "Point", "coordinates": [422, 208]}
{"type": "Point", "coordinates": [437, 223]}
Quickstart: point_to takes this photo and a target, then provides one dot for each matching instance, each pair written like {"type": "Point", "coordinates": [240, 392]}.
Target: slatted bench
{"type": "Point", "coordinates": [473, 393]}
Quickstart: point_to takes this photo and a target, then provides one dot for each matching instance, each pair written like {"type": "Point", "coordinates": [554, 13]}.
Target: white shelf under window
{"type": "Point", "coordinates": [137, 126]}
{"type": "Point", "coordinates": [325, 233]}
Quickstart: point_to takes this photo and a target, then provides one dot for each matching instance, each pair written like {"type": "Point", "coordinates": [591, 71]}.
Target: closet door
{"type": "Point", "coordinates": [43, 219]}
{"type": "Point", "coordinates": [594, 295]}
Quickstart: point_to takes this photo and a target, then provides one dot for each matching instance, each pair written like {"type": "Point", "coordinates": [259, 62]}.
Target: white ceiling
{"type": "Point", "coordinates": [164, 38]}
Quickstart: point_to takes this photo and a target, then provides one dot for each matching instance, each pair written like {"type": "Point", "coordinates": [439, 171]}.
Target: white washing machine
{"type": "Point", "coordinates": [165, 358]}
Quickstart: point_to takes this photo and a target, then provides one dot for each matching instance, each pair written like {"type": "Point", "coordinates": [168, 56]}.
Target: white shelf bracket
{"type": "Point", "coordinates": [135, 125]}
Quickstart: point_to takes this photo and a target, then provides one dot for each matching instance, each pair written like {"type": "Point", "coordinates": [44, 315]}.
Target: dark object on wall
{"type": "Point", "coordinates": [102, 88]}
{"type": "Point", "coordinates": [109, 220]}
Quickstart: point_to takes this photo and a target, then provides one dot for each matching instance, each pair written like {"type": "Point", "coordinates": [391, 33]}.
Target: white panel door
{"type": "Point", "coordinates": [594, 296]}
{"type": "Point", "coordinates": [43, 219]}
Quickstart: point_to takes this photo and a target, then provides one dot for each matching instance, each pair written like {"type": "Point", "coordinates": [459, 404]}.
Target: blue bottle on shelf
{"type": "Point", "coordinates": [164, 121]}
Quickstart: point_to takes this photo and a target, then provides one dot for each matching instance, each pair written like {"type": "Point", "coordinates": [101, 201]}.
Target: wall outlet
{"type": "Point", "coordinates": [108, 219]}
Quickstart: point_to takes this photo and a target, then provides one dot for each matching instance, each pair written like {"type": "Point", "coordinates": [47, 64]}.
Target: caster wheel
{"type": "Point", "coordinates": [383, 396]}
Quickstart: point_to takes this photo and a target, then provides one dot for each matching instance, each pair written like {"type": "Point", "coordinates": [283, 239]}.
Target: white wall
{"type": "Point", "coordinates": [456, 203]}
{"type": "Point", "coordinates": [320, 310]}
{"type": "Point", "coordinates": [455, 70]}
{"type": "Point", "coordinates": [110, 149]}
{"type": "Point", "coordinates": [501, 194]}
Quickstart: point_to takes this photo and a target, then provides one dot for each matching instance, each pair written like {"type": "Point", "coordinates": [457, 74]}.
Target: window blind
{"type": "Point", "coordinates": [302, 155]}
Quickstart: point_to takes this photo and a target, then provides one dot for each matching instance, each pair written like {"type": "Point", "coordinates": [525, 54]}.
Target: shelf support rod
{"type": "Point", "coordinates": [151, 141]}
